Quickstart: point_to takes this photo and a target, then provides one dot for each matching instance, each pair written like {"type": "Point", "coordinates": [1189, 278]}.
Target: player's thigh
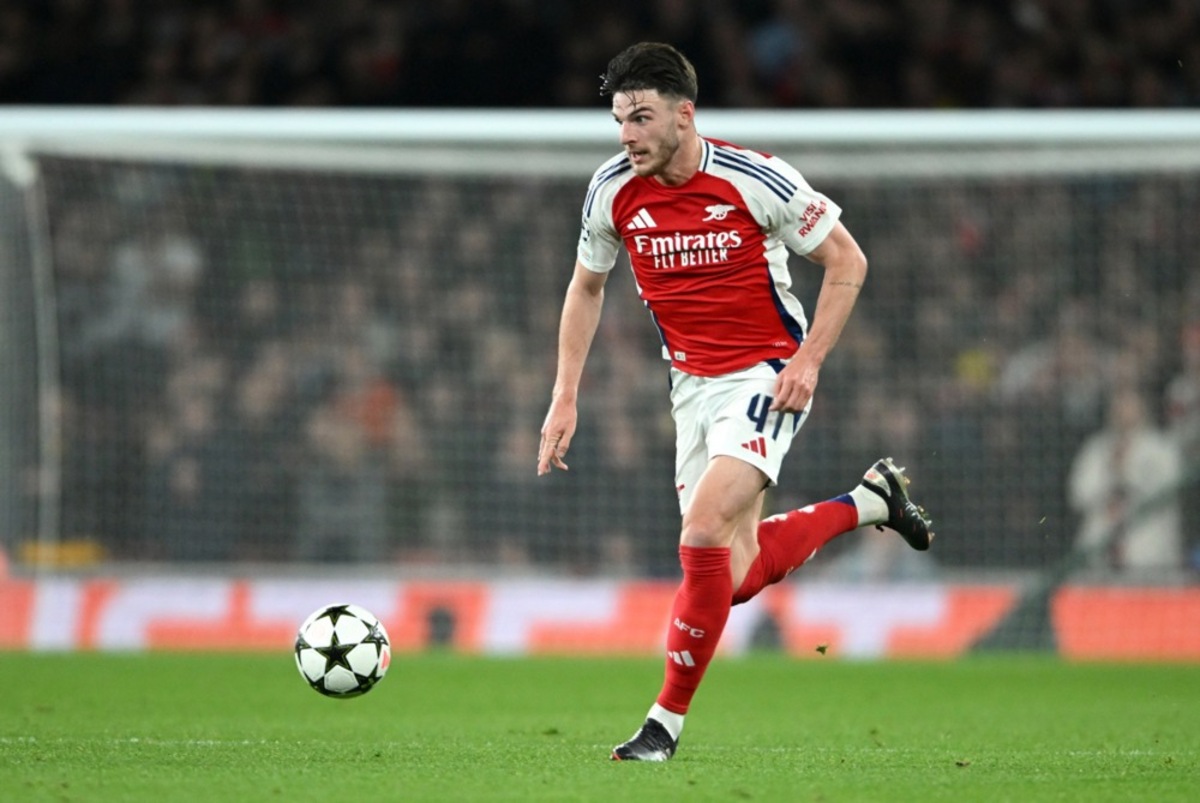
{"type": "Point", "coordinates": [727, 498]}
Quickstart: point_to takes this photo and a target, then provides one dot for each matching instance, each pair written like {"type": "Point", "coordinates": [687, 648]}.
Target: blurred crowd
{"type": "Point", "coordinates": [272, 365]}
{"type": "Point", "coordinates": [778, 53]}
{"type": "Point", "coordinates": [277, 365]}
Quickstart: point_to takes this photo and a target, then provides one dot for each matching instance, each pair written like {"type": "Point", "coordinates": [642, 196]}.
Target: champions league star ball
{"type": "Point", "coordinates": [342, 650]}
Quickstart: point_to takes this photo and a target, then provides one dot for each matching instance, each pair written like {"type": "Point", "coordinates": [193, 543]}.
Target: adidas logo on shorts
{"type": "Point", "coordinates": [758, 446]}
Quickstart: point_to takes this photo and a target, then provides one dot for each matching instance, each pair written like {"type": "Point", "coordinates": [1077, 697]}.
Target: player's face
{"type": "Point", "coordinates": [650, 129]}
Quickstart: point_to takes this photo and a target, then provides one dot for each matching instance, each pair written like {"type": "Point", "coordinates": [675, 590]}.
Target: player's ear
{"type": "Point", "coordinates": [686, 111]}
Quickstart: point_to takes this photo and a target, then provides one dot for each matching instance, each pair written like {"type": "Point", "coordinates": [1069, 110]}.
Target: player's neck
{"type": "Point", "coordinates": [685, 163]}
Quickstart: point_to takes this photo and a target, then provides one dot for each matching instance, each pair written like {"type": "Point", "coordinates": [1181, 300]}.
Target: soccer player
{"type": "Point", "coordinates": [707, 226]}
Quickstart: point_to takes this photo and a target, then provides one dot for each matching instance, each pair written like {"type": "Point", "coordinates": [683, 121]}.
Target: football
{"type": "Point", "coordinates": [342, 650]}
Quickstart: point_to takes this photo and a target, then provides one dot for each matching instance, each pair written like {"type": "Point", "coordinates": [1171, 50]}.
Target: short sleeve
{"type": "Point", "coordinates": [599, 240]}
{"type": "Point", "coordinates": [598, 244]}
{"type": "Point", "coordinates": [807, 217]}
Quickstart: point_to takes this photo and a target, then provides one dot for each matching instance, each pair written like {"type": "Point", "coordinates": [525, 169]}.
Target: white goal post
{"type": "Point", "coordinates": [570, 142]}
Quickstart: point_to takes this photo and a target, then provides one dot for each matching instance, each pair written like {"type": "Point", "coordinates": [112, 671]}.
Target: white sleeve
{"type": "Point", "coordinates": [806, 219]}
{"type": "Point", "coordinates": [599, 240]}
{"type": "Point", "coordinates": [598, 245]}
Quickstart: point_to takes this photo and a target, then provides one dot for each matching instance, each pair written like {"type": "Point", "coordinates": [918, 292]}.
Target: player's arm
{"type": "Point", "coordinates": [580, 317]}
{"type": "Point", "coordinates": [845, 270]}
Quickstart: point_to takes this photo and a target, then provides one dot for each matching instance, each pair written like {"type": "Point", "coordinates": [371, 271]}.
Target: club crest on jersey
{"type": "Point", "coordinates": [717, 212]}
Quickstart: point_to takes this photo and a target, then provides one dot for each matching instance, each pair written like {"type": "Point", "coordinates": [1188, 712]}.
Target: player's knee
{"type": "Point", "coordinates": [706, 531]}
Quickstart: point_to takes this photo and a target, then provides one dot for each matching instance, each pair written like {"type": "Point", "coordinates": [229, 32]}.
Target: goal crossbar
{"type": "Point", "coordinates": [574, 142]}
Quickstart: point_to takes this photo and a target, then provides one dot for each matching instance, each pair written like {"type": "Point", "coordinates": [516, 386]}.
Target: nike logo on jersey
{"type": "Point", "coordinates": [717, 212]}
{"type": "Point", "coordinates": [641, 220]}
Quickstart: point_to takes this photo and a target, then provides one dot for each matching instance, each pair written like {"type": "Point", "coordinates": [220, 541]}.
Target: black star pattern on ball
{"type": "Point", "coordinates": [335, 612]}
{"type": "Point", "coordinates": [335, 653]}
{"type": "Point", "coordinates": [375, 636]}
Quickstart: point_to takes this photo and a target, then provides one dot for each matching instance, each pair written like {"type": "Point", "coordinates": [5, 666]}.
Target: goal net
{"type": "Point", "coordinates": [298, 338]}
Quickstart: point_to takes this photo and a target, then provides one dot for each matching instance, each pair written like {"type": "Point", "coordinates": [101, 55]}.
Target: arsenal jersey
{"type": "Point", "coordinates": [710, 256]}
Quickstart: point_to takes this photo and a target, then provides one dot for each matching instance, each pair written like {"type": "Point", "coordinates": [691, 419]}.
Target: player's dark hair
{"type": "Point", "coordinates": [650, 65]}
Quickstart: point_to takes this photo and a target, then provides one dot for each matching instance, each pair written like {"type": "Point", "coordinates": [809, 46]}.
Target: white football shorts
{"type": "Point", "coordinates": [728, 415]}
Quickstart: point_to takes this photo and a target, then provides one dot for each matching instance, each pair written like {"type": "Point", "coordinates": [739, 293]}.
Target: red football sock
{"type": "Point", "coordinates": [697, 620]}
{"type": "Point", "coordinates": [789, 540]}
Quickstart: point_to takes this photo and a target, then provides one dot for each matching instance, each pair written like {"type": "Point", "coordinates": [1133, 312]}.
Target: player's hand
{"type": "Point", "coordinates": [557, 431]}
{"type": "Point", "coordinates": [795, 385]}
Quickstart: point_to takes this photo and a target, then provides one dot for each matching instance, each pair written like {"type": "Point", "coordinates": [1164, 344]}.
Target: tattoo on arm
{"type": "Point", "coordinates": [855, 285]}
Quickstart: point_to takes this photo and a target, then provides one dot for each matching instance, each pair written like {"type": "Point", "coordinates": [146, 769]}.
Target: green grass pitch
{"type": "Point", "coordinates": [197, 728]}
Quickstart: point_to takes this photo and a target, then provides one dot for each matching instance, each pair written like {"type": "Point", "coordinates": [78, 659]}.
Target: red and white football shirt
{"type": "Point", "coordinates": [710, 256]}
